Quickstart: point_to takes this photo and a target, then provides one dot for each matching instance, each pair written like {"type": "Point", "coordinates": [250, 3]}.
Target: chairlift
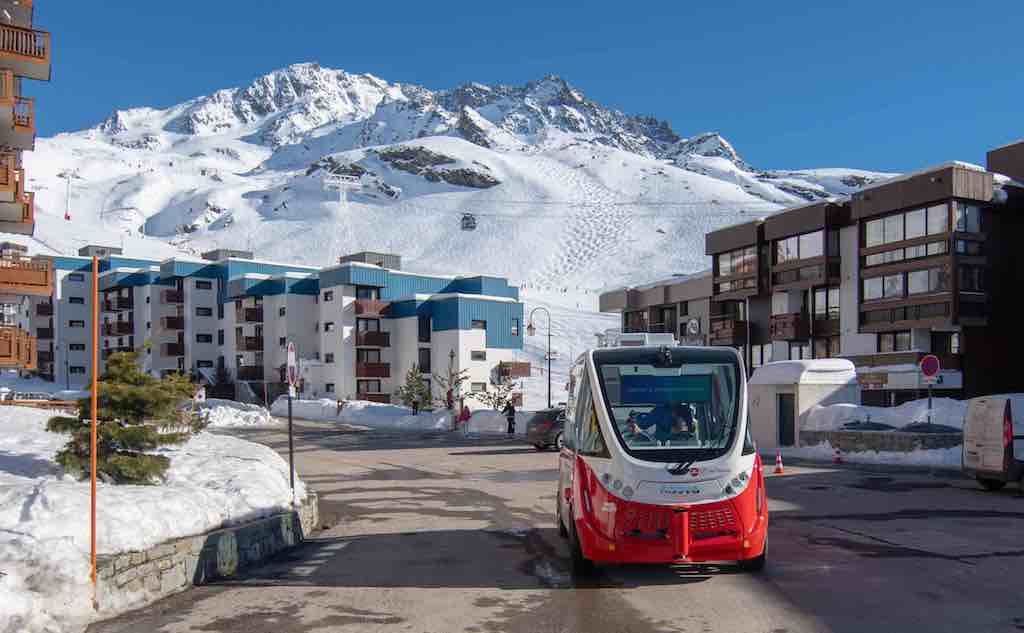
{"type": "Point", "coordinates": [337, 182]}
{"type": "Point", "coordinates": [468, 222]}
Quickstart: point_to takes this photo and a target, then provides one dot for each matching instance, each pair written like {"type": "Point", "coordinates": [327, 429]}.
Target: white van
{"type": "Point", "coordinates": [993, 450]}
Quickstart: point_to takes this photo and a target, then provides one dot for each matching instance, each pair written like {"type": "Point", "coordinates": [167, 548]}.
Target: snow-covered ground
{"type": "Point", "coordinates": [213, 480]}
{"type": "Point", "coordinates": [230, 414]}
{"type": "Point", "coordinates": [945, 411]}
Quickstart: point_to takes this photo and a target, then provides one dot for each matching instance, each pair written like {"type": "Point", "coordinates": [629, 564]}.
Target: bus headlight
{"type": "Point", "coordinates": [738, 483]}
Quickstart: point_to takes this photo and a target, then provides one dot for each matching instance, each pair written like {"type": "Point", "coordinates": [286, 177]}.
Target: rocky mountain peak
{"type": "Point", "coordinates": [710, 144]}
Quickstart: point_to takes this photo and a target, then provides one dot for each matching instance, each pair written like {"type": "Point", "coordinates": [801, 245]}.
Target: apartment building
{"type": "Point", "coordinates": [358, 327]}
{"type": "Point", "coordinates": [913, 265]}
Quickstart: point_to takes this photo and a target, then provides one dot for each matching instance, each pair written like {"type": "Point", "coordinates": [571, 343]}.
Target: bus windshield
{"type": "Point", "coordinates": [671, 404]}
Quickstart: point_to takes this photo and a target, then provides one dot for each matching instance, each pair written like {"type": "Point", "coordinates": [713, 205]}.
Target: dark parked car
{"type": "Point", "coordinates": [544, 429]}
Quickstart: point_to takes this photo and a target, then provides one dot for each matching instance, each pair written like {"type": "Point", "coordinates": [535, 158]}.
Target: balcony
{"type": "Point", "coordinates": [789, 327]}
{"type": "Point", "coordinates": [26, 276]}
{"type": "Point", "coordinates": [249, 315]}
{"type": "Point", "coordinates": [727, 330]}
{"type": "Point", "coordinates": [119, 328]}
{"type": "Point", "coordinates": [118, 304]}
{"type": "Point", "coordinates": [381, 398]}
{"type": "Point", "coordinates": [250, 372]}
{"type": "Point", "coordinates": [883, 359]}
{"type": "Point", "coordinates": [373, 370]}
{"type": "Point", "coordinates": [371, 307]}
{"type": "Point", "coordinates": [25, 51]}
{"type": "Point", "coordinates": [44, 333]}
{"type": "Point", "coordinates": [513, 370]}
{"type": "Point", "coordinates": [17, 349]}
{"type": "Point", "coordinates": [19, 216]}
{"type": "Point", "coordinates": [373, 339]}
{"type": "Point", "coordinates": [173, 323]}
{"type": "Point", "coordinates": [826, 327]}
{"type": "Point", "coordinates": [172, 349]}
{"type": "Point", "coordinates": [17, 115]}
{"type": "Point", "coordinates": [12, 177]}
{"type": "Point", "coordinates": [44, 309]}
{"type": "Point", "coordinates": [171, 297]}
{"type": "Point", "coordinates": [250, 344]}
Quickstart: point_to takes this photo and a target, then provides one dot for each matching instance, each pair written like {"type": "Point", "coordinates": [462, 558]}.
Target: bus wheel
{"type": "Point", "coordinates": [755, 564]}
{"type": "Point", "coordinates": [564, 533]}
{"type": "Point", "coordinates": [991, 484]}
{"type": "Point", "coordinates": [582, 566]}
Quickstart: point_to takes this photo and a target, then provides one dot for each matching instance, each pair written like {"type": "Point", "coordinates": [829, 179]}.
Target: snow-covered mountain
{"type": "Point", "coordinates": [567, 192]}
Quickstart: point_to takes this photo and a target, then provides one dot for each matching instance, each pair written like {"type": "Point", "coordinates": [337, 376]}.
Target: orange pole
{"type": "Point", "coordinates": [92, 431]}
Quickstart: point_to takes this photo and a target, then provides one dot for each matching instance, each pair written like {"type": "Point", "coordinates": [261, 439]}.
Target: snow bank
{"type": "Point", "coordinates": [212, 481]}
{"type": "Point", "coordinates": [945, 411]}
{"type": "Point", "coordinates": [934, 458]}
{"type": "Point", "coordinates": [362, 413]}
{"type": "Point", "coordinates": [230, 414]}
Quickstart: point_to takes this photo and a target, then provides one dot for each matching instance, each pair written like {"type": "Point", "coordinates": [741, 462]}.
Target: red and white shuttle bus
{"type": "Point", "coordinates": [658, 464]}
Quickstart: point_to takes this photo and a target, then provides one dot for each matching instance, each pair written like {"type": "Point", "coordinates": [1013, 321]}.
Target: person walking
{"type": "Point", "coordinates": [415, 406]}
{"type": "Point", "coordinates": [510, 416]}
{"type": "Point", "coordinates": [464, 416]}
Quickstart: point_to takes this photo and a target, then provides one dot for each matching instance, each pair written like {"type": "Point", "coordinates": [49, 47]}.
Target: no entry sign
{"type": "Point", "coordinates": [930, 367]}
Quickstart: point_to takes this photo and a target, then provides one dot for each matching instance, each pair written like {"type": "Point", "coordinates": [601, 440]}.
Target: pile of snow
{"type": "Point", "coordinates": [362, 413]}
{"type": "Point", "coordinates": [945, 411]}
{"type": "Point", "coordinates": [487, 422]}
{"type": "Point", "coordinates": [934, 458]}
{"type": "Point", "coordinates": [213, 480]}
{"type": "Point", "coordinates": [230, 414]}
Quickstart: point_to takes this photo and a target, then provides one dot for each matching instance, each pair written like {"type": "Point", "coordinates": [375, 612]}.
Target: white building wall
{"type": "Point", "coordinates": [196, 300]}
{"type": "Point", "coordinates": [158, 333]}
{"type": "Point", "coordinates": [404, 350]}
{"type": "Point", "coordinates": [78, 368]}
{"type": "Point", "coordinates": [850, 340]}
{"type": "Point", "coordinates": [300, 317]}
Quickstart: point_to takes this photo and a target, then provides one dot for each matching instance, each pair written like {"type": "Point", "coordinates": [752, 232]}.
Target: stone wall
{"type": "Point", "coordinates": [138, 578]}
{"type": "Point", "coordinates": [861, 441]}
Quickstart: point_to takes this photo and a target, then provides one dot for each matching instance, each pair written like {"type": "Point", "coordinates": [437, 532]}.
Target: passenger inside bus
{"type": "Point", "coordinates": [666, 422]}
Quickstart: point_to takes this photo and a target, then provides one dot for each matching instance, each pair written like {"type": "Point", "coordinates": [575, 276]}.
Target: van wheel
{"type": "Point", "coordinates": [991, 484]}
{"type": "Point", "coordinates": [755, 565]}
{"type": "Point", "coordinates": [559, 442]}
{"type": "Point", "coordinates": [581, 566]}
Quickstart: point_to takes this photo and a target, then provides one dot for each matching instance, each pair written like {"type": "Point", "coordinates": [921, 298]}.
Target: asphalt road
{"type": "Point", "coordinates": [438, 534]}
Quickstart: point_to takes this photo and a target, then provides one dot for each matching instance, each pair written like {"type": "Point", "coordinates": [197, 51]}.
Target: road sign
{"type": "Point", "coordinates": [293, 366]}
{"type": "Point", "coordinates": [930, 367]}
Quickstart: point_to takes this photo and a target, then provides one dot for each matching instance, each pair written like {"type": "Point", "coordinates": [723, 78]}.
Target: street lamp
{"type": "Point", "coordinates": [530, 331]}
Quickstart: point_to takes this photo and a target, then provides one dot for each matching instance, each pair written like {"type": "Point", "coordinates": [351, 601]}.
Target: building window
{"type": "Point", "coordinates": [76, 369]}
{"type": "Point", "coordinates": [894, 341]}
{"type": "Point", "coordinates": [968, 218]}
{"type": "Point", "coordinates": [328, 357]}
{"type": "Point", "coordinates": [972, 279]}
{"type": "Point", "coordinates": [204, 338]}
{"type": "Point", "coordinates": [478, 387]}
{"type": "Point", "coordinates": [367, 292]}
{"type": "Point", "coordinates": [368, 325]}
{"type": "Point", "coordinates": [220, 337]}
{"type": "Point", "coordinates": [329, 387]}
{"type": "Point", "coordinates": [826, 303]}
{"type": "Point", "coordinates": [368, 386]}
{"type": "Point", "coordinates": [204, 312]}
{"type": "Point", "coordinates": [515, 327]}
{"type": "Point", "coordinates": [738, 262]}
{"type": "Point", "coordinates": [906, 226]}
{"type": "Point", "coordinates": [282, 341]}
{"type": "Point", "coordinates": [76, 277]}
{"type": "Point", "coordinates": [328, 295]}
{"type": "Point", "coordinates": [77, 347]}
{"type": "Point", "coordinates": [756, 355]}
{"type": "Point", "coordinates": [204, 364]}
{"type": "Point", "coordinates": [477, 324]}
{"type": "Point", "coordinates": [76, 300]}
{"type": "Point", "coordinates": [799, 351]}
{"type": "Point", "coordinates": [478, 355]}
{"type": "Point", "coordinates": [887, 287]}
{"type": "Point", "coordinates": [367, 355]}
{"type": "Point", "coordinates": [423, 360]}
{"type": "Point", "coordinates": [424, 329]}
{"type": "Point", "coordinates": [281, 311]}
{"type": "Point", "coordinates": [76, 323]}
{"type": "Point", "coordinates": [329, 326]}
{"type": "Point", "coordinates": [204, 285]}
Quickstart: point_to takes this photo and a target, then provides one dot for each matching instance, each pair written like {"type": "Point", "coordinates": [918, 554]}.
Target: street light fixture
{"type": "Point", "coordinates": [531, 329]}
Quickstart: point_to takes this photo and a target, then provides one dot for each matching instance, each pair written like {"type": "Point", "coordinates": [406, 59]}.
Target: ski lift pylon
{"type": "Point", "coordinates": [468, 222]}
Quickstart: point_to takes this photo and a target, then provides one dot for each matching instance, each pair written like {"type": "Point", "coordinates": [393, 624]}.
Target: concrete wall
{"type": "Point", "coordinates": [862, 441]}
{"type": "Point", "coordinates": [195, 324]}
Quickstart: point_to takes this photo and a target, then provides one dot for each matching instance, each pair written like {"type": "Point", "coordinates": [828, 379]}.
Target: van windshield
{"type": "Point", "coordinates": [671, 406]}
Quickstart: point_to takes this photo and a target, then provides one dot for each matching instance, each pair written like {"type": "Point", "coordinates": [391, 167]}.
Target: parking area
{"type": "Point", "coordinates": [435, 533]}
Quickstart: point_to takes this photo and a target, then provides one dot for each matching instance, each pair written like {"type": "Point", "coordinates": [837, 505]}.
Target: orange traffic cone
{"type": "Point", "coordinates": [778, 463]}
{"type": "Point", "coordinates": [837, 458]}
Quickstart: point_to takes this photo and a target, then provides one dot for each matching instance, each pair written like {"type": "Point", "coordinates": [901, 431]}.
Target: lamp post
{"type": "Point", "coordinates": [531, 330]}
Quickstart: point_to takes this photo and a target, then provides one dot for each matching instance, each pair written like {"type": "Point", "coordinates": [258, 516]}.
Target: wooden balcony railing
{"type": "Point", "coordinates": [513, 370]}
{"type": "Point", "coordinates": [26, 276]}
{"type": "Point", "coordinates": [11, 177]}
{"type": "Point", "coordinates": [789, 327]}
{"type": "Point", "coordinates": [119, 328]}
{"type": "Point", "coordinates": [172, 296]}
{"type": "Point", "coordinates": [172, 349]}
{"type": "Point", "coordinates": [373, 370]}
{"type": "Point", "coordinates": [249, 315]}
{"type": "Point", "coordinates": [17, 349]}
{"type": "Point", "coordinates": [250, 372]}
{"type": "Point", "coordinates": [946, 361]}
{"type": "Point", "coordinates": [373, 339]}
{"type": "Point", "coordinates": [25, 51]}
{"type": "Point", "coordinates": [250, 344]}
{"type": "Point", "coordinates": [173, 323]}
{"type": "Point", "coordinates": [727, 330]}
{"type": "Point", "coordinates": [371, 307]}
{"type": "Point", "coordinates": [382, 398]}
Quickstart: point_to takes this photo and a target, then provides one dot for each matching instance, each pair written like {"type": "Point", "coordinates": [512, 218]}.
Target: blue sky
{"type": "Point", "coordinates": [889, 85]}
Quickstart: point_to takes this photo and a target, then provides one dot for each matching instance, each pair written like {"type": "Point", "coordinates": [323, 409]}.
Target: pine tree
{"type": "Point", "coordinates": [450, 381]}
{"type": "Point", "coordinates": [136, 413]}
{"type": "Point", "coordinates": [414, 389]}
